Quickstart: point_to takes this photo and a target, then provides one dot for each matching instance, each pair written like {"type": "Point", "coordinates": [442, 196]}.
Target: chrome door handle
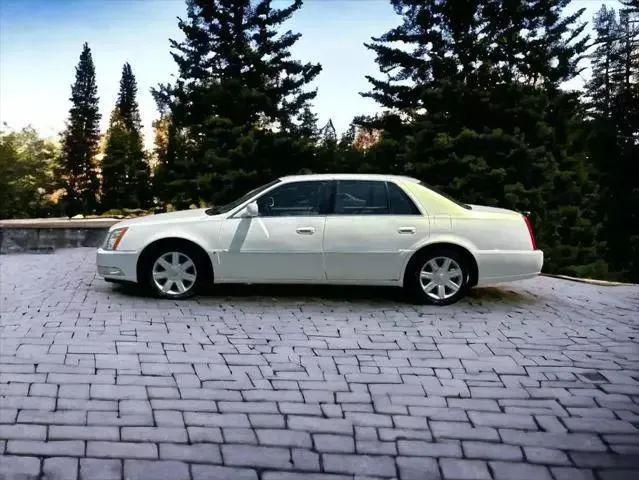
{"type": "Point", "coordinates": [306, 230]}
{"type": "Point", "coordinates": [408, 230]}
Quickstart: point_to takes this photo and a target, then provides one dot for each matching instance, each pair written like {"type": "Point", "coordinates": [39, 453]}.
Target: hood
{"type": "Point", "coordinates": [495, 210]}
{"type": "Point", "coordinates": [181, 216]}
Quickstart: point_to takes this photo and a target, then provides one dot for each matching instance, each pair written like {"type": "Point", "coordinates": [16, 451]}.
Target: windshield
{"type": "Point", "coordinates": [446, 196]}
{"type": "Point", "coordinates": [230, 206]}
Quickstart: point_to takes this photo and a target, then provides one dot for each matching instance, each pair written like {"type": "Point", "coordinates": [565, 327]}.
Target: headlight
{"type": "Point", "coordinates": [113, 239]}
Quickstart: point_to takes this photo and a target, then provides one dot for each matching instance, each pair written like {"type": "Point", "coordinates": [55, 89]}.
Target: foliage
{"type": "Point", "coordinates": [26, 174]}
{"type": "Point", "coordinates": [234, 104]}
{"type": "Point", "coordinates": [125, 172]}
{"type": "Point", "coordinates": [474, 108]}
{"type": "Point", "coordinates": [79, 169]}
{"type": "Point", "coordinates": [473, 101]}
{"type": "Point", "coordinates": [613, 142]}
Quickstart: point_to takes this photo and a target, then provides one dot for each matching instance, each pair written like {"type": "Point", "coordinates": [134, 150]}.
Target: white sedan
{"type": "Point", "coordinates": [327, 229]}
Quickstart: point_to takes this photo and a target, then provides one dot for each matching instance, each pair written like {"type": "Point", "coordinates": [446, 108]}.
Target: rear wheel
{"type": "Point", "coordinates": [175, 272]}
{"type": "Point", "coordinates": [438, 277]}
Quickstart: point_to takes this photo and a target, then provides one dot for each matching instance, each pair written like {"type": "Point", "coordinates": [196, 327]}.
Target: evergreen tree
{"type": "Point", "coordinates": [474, 108]}
{"type": "Point", "coordinates": [234, 103]}
{"type": "Point", "coordinates": [328, 133]}
{"type": "Point", "coordinates": [613, 106]}
{"type": "Point", "coordinates": [79, 169]}
{"type": "Point", "coordinates": [125, 172]}
{"type": "Point", "coordinates": [307, 125]}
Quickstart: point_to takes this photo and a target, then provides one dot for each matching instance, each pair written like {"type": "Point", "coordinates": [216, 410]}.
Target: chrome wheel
{"type": "Point", "coordinates": [174, 273]}
{"type": "Point", "coordinates": [441, 278]}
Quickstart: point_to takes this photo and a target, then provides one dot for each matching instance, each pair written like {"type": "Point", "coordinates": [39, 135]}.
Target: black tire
{"type": "Point", "coordinates": [200, 269]}
{"type": "Point", "coordinates": [414, 281]}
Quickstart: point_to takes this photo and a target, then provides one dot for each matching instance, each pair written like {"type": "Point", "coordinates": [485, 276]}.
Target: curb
{"type": "Point", "coordinates": [590, 281]}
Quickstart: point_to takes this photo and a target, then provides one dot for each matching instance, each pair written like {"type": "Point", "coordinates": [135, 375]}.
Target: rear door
{"type": "Point", "coordinates": [370, 231]}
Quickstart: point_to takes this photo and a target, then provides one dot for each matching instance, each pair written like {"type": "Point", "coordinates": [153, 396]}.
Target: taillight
{"type": "Point", "coordinates": [531, 232]}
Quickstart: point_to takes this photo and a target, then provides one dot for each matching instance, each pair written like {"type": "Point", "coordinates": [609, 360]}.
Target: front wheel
{"type": "Point", "coordinates": [174, 273]}
{"type": "Point", "coordinates": [439, 277]}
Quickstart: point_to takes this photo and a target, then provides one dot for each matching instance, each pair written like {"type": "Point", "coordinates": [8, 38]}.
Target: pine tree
{"type": "Point", "coordinates": [79, 169]}
{"type": "Point", "coordinates": [613, 106]}
{"type": "Point", "coordinates": [328, 133]}
{"type": "Point", "coordinates": [474, 108]}
{"type": "Point", "coordinates": [125, 172]}
{"type": "Point", "coordinates": [234, 103]}
{"type": "Point", "coordinates": [307, 125]}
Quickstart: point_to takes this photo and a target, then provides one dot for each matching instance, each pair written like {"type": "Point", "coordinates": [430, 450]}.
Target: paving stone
{"type": "Point", "coordinates": [547, 456]}
{"type": "Point", "coordinates": [492, 451]}
{"type": "Point", "coordinates": [415, 468]}
{"type": "Point", "coordinates": [199, 453]}
{"type": "Point", "coordinates": [24, 468]}
{"type": "Point", "coordinates": [333, 443]}
{"type": "Point", "coordinates": [428, 449]}
{"type": "Point", "coordinates": [155, 470]}
{"type": "Point", "coordinates": [303, 476]}
{"type": "Point", "coordinates": [154, 434]}
{"type": "Point", "coordinates": [256, 456]}
{"type": "Point", "coordinates": [502, 420]}
{"type": "Point", "coordinates": [284, 438]}
{"type": "Point", "coordinates": [100, 469]}
{"type": "Point", "coordinates": [520, 471]}
{"type": "Point", "coordinates": [60, 468]}
{"type": "Point", "coordinates": [457, 469]}
{"type": "Point", "coordinates": [121, 450]}
{"type": "Point", "coordinates": [571, 473]}
{"type": "Point", "coordinates": [208, 472]}
{"type": "Point", "coordinates": [462, 430]}
{"type": "Point", "coordinates": [22, 431]}
{"type": "Point", "coordinates": [70, 432]}
{"type": "Point", "coordinates": [72, 448]}
{"type": "Point", "coordinates": [359, 464]}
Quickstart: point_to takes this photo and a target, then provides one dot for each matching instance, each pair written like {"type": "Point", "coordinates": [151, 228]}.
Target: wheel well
{"type": "Point", "coordinates": [466, 255]}
{"type": "Point", "coordinates": [148, 251]}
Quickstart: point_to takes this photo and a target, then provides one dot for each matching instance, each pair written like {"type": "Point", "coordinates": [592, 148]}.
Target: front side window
{"type": "Point", "coordinates": [230, 206]}
{"type": "Point", "coordinates": [294, 199]}
{"type": "Point", "coordinates": [360, 197]}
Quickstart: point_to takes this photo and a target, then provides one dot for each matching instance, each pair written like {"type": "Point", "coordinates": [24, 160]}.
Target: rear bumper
{"type": "Point", "coordinates": [506, 266]}
{"type": "Point", "coordinates": [117, 265]}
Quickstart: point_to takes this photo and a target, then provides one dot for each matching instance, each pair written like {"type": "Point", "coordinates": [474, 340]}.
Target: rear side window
{"type": "Point", "coordinates": [400, 203]}
{"type": "Point", "coordinates": [355, 197]}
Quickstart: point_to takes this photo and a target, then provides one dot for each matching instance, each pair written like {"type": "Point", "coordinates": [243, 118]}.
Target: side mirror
{"type": "Point", "coordinates": [251, 210]}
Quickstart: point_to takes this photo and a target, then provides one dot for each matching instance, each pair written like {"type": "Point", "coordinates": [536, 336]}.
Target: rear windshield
{"type": "Point", "coordinates": [446, 196]}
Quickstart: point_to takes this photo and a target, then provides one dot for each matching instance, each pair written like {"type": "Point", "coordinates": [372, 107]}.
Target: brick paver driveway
{"type": "Point", "coordinates": [535, 380]}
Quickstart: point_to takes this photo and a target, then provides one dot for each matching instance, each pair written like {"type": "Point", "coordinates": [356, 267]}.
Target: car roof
{"type": "Point", "coordinates": [348, 176]}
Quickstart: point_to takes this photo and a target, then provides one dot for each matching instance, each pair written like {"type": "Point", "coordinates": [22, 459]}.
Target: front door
{"type": "Point", "coordinates": [283, 243]}
{"type": "Point", "coordinates": [372, 229]}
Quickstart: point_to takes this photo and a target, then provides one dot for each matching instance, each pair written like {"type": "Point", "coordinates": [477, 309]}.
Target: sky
{"type": "Point", "coordinates": [41, 40]}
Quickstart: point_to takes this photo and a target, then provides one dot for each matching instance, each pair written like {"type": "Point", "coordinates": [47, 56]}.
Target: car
{"type": "Point", "coordinates": [327, 229]}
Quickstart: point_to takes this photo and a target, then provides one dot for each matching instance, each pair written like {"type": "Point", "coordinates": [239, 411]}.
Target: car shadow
{"type": "Point", "coordinates": [351, 294]}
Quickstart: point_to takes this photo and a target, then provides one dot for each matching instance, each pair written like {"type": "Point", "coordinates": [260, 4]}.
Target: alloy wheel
{"type": "Point", "coordinates": [174, 273]}
{"type": "Point", "coordinates": [441, 278]}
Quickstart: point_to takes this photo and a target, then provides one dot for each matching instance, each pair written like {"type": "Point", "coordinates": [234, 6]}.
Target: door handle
{"type": "Point", "coordinates": [306, 230]}
{"type": "Point", "coordinates": [407, 230]}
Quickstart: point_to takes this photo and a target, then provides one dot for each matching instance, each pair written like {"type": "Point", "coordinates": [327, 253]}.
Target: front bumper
{"type": "Point", "coordinates": [506, 266]}
{"type": "Point", "coordinates": [117, 265]}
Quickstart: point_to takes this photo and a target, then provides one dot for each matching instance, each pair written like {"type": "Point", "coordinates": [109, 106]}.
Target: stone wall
{"type": "Point", "coordinates": [44, 235]}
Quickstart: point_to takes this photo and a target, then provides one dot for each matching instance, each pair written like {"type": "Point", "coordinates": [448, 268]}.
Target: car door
{"type": "Point", "coordinates": [371, 230]}
{"type": "Point", "coordinates": [284, 242]}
